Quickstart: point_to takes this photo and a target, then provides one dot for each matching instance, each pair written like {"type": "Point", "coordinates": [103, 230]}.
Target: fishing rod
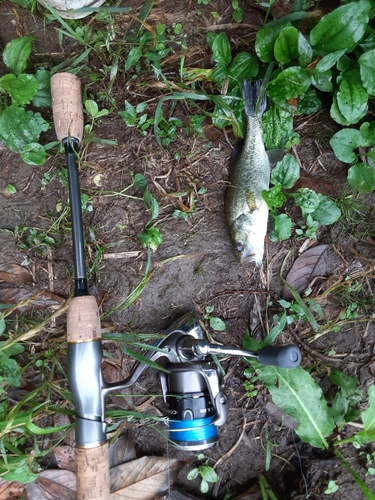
{"type": "Point", "coordinates": [85, 350]}
{"type": "Point", "coordinates": [192, 385]}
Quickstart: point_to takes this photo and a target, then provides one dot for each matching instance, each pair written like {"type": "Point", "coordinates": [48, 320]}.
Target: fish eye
{"type": "Point", "coordinates": [239, 247]}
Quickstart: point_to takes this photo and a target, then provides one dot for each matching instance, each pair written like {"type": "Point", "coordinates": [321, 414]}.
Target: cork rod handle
{"type": "Point", "coordinates": [92, 466]}
{"type": "Point", "coordinates": [83, 320]}
{"type": "Point", "coordinates": [67, 106]}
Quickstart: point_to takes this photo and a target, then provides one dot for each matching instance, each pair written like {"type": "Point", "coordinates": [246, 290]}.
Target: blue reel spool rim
{"type": "Point", "coordinates": [197, 434]}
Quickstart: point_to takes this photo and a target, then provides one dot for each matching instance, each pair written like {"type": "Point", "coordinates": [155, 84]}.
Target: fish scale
{"type": "Point", "coordinates": [246, 210]}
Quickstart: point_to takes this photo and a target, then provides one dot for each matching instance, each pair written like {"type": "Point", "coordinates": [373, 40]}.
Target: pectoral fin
{"type": "Point", "coordinates": [251, 201]}
{"type": "Point", "coordinates": [275, 155]}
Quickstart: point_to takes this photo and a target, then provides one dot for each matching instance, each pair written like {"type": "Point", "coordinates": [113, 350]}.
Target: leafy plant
{"type": "Point", "coordinates": [207, 474]}
{"type": "Point", "coordinates": [216, 323]}
{"type": "Point", "coordinates": [20, 129]}
{"type": "Point", "coordinates": [317, 209]}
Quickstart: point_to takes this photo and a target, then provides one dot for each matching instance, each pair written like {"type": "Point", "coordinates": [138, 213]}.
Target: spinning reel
{"type": "Point", "coordinates": [193, 388]}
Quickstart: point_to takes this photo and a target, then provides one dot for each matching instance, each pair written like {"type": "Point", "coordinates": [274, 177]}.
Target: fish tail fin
{"type": "Point", "coordinates": [251, 93]}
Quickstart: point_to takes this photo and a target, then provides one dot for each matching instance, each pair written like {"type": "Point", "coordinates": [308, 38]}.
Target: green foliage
{"type": "Point", "coordinates": [336, 58]}
{"type": "Point", "coordinates": [216, 323]}
{"type": "Point", "coordinates": [20, 129]}
{"type": "Point", "coordinates": [317, 209]}
{"type": "Point", "coordinates": [207, 474]}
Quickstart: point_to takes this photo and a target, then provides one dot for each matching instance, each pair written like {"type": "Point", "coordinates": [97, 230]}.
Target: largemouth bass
{"type": "Point", "coordinates": [245, 209]}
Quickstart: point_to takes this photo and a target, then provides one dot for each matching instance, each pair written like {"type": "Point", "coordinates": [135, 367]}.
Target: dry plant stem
{"type": "Point", "coordinates": [229, 452]}
{"type": "Point", "coordinates": [34, 331]}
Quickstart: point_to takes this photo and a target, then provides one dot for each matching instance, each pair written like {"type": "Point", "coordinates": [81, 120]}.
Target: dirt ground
{"type": "Point", "coordinates": [206, 272]}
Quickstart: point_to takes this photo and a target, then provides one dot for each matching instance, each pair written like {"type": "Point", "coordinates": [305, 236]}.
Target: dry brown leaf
{"type": "Point", "coordinates": [318, 184]}
{"type": "Point", "coordinates": [144, 478]}
{"type": "Point", "coordinates": [14, 273]}
{"type": "Point", "coordinates": [122, 450]}
{"type": "Point", "coordinates": [310, 264]}
{"type": "Point", "coordinates": [36, 300]}
{"type": "Point", "coordinates": [53, 484]}
{"type": "Point", "coordinates": [11, 490]}
{"type": "Point", "coordinates": [65, 457]}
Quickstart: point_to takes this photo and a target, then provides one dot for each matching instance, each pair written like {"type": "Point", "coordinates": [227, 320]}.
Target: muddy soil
{"type": "Point", "coordinates": [194, 267]}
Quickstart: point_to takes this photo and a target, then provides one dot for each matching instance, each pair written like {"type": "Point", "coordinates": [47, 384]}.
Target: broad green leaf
{"type": "Point", "coordinates": [328, 61]}
{"type": "Point", "coordinates": [286, 172]}
{"type": "Point", "coordinates": [193, 474]}
{"type": "Point", "coordinates": [244, 65]}
{"type": "Point", "coordinates": [17, 52]}
{"type": "Point", "coordinates": [362, 177]}
{"type": "Point", "coordinates": [133, 57]}
{"type": "Point", "coordinates": [208, 473]}
{"type": "Point", "coordinates": [368, 416]}
{"type": "Point", "coordinates": [219, 73]}
{"type": "Point", "coordinates": [305, 51]}
{"type": "Point", "coordinates": [336, 113]}
{"type": "Point", "coordinates": [307, 199]}
{"type": "Point", "coordinates": [342, 28]}
{"type": "Point", "coordinates": [344, 142]}
{"type": "Point", "coordinates": [10, 371]}
{"type": "Point", "coordinates": [17, 469]}
{"type": "Point", "coordinates": [151, 237]}
{"type": "Point", "coordinates": [367, 70]}
{"type": "Point", "coordinates": [286, 45]}
{"type": "Point", "coordinates": [322, 81]}
{"type": "Point", "coordinates": [277, 128]}
{"type": "Point", "coordinates": [221, 49]}
{"type": "Point", "coordinates": [204, 486]}
{"type": "Point", "coordinates": [21, 88]}
{"type": "Point", "coordinates": [265, 41]}
{"type": "Point", "coordinates": [298, 395]}
{"type": "Point", "coordinates": [289, 84]}
{"type": "Point", "coordinates": [42, 98]}
{"type": "Point", "coordinates": [34, 154]}
{"type": "Point", "coordinates": [368, 42]}
{"type": "Point", "coordinates": [352, 97]}
{"type": "Point", "coordinates": [327, 212]}
{"type": "Point", "coordinates": [344, 405]}
{"type": "Point", "coordinates": [91, 108]}
{"type": "Point", "coordinates": [217, 324]}
{"type": "Point", "coordinates": [19, 128]}
{"type": "Point", "coordinates": [274, 197]}
{"type": "Point", "coordinates": [283, 226]}
{"type": "Point", "coordinates": [309, 103]}
{"type": "Point", "coordinates": [2, 326]}
{"type": "Point", "coordinates": [367, 131]}
{"type": "Point", "coordinates": [140, 181]}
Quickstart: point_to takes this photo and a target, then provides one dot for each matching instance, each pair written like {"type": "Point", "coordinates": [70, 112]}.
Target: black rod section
{"type": "Point", "coordinates": [71, 146]}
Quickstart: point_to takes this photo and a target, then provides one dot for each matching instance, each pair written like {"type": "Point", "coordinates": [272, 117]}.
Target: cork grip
{"type": "Point", "coordinates": [83, 320]}
{"type": "Point", "coordinates": [67, 106]}
{"type": "Point", "coordinates": [92, 466]}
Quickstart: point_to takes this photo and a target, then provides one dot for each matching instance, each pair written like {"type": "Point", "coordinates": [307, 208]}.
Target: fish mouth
{"type": "Point", "coordinates": [250, 257]}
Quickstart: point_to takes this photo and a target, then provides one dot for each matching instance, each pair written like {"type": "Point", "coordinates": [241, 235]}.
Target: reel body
{"type": "Point", "coordinates": [192, 387]}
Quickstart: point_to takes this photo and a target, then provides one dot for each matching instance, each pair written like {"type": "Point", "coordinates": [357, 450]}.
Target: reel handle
{"type": "Point", "coordinates": [67, 106]}
{"type": "Point", "coordinates": [288, 356]}
{"type": "Point", "coordinates": [85, 380]}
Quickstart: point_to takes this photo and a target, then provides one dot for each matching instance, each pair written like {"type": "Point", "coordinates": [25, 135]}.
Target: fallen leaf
{"type": "Point", "coordinates": [34, 300]}
{"type": "Point", "coordinates": [310, 264]}
{"type": "Point", "coordinates": [144, 478]}
{"type": "Point", "coordinates": [111, 371]}
{"type": "Point", "coordinates": [65, 457]}
{"type": "Point", "coordinates": [122, 450]}
{"type": "Point", "coordinates": [318, 184]}
{"type": "Point", "coordinates": [11, 490]}
{"type": "Point", "coordinates": [53, 484]}
{"type": "Point", "coordinates": [14, 273]}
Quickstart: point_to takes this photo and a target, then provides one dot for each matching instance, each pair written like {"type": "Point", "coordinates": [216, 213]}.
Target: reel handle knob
{"type": "Point", "coordinates": [288, 356]}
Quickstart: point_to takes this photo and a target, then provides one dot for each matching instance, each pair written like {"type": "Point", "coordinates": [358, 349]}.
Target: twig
{"type": "Point", "coordinates": [229, 452]}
